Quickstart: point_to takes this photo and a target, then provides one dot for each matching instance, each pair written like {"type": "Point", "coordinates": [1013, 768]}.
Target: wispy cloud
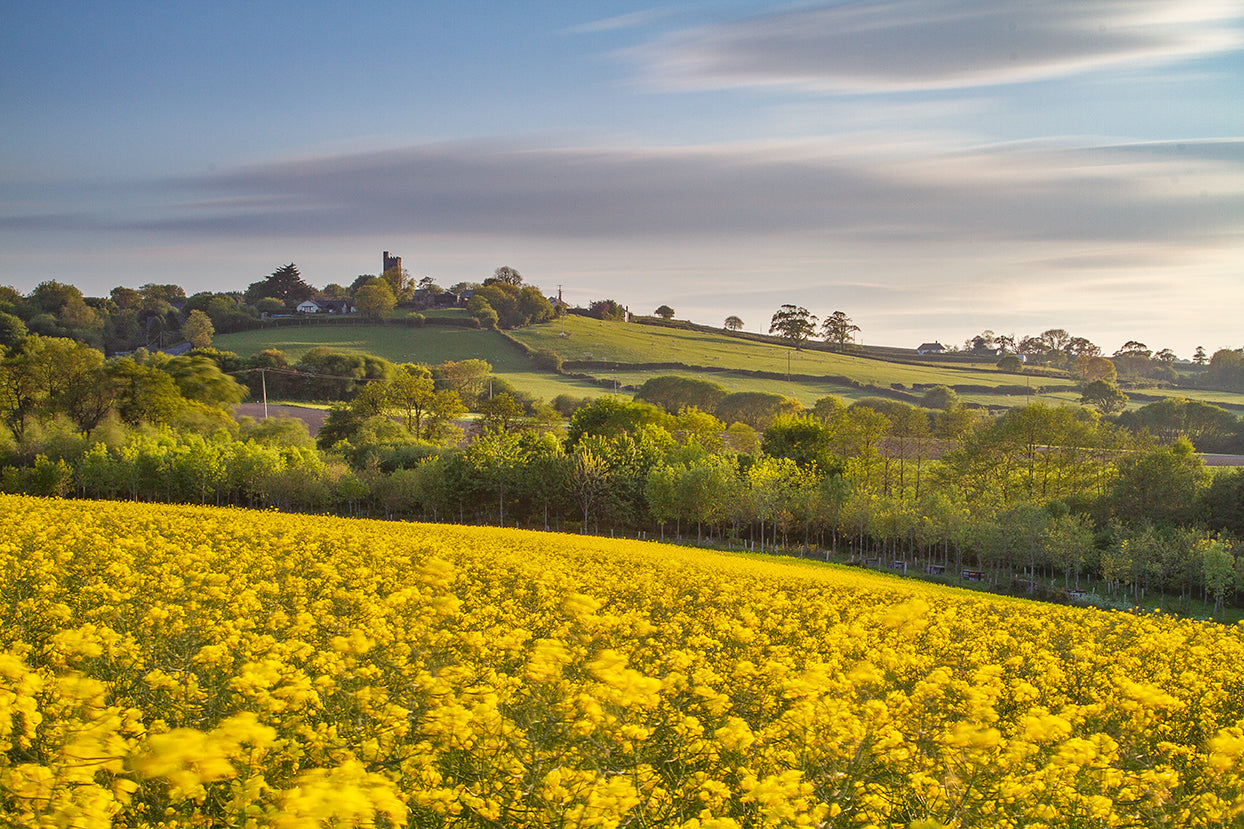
{"type": "Point", "coordinates": [864, 189]}
{"type": "Point", "coordinates": [617, 22]}
{"type": "Point", "coordinates": [939, 44]}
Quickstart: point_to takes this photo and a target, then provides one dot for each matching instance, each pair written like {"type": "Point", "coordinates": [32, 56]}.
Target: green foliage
{"type": "Point", "coordinates": [466, 378]}
{"type": "Point", "coordinates": [482, 312]}
{"type": "Point", "coordinates": [839, 329]}
{"type": "Point", "coordinates": [546, 359]}
{"type": "Point", "coordinates": [672, 393]}
{"type": "Point", "coordinates": [940, 397]}
{"type": "Point", "coordinates": [1210, 428]}
{"type": "Point", "coordinates": [198, 329]}
{"type": "Point", "coordinates": [1159, 486]}
{"type": "Point", "coordinates": [611, 417]}
{"type": "Point", "coordinates": [805, 440]}
{"type": "Point", "coordinates": [756, 409]}
{"type": "Point", "coordinates": [338, 375]}
{"type": "Point", "coordinates": [513, 304]}
{"type": "Point", "coordinates": [607, 309]}
{"type": "Point", "coordinates": [284, 284]}
{"type": "Point", "coordinates": [1226, 370]}
{"type": "Point", "coordinates": [1104, 397]}
{"type": "Point", "coordinates": [793, 324]}
{"type": "Point", "coordinates": [375, 299]}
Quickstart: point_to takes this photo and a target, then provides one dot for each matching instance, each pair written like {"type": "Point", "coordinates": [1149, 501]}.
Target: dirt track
{"type": "Point", "coordinates": [314, 418]}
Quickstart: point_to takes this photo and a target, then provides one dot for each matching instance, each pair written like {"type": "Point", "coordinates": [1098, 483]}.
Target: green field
{"type": "Point", "coordinates": [632, 345]}
{"type": "Point", "coordinates": [431, 345]}
{"type": "Point", "coordinates": [591, 339]}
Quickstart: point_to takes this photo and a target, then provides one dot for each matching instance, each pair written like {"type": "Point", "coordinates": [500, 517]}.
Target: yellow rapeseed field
{"type": "Point", "coordinates": [198, 667]}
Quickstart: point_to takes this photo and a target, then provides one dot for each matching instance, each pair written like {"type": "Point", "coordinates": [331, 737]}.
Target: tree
{"type": "Point", "coordinates": [839, 329]}
{"type": "Point", "coordinates": [1226, 370]}
{"type": "Point", "coordinates": [411, 393]}
{"type": "Point", "coordinates": [755, 408]}
{"type": "Point", "coordinates": [1161, 486]}
{"type": "Point", "coordinates": [1090, 368]}
{"type": "Point", "coordinates": [1057, 338]}
{"type": "Point", "coordinates": [399, 282]}
{"type": "Point", "coordinates": [664, 312]}
{"type": "Point", "coordinates": [1198, 357]}
{"type": "Point", "coordinates": [940, 397]}
{"type": "Point", "coordinates": [1132, 348]}
{"type": "Point", "coordinates": [673, 393]}
{"type": "Point", "coordinates": [733, 323]}
{"type": "Point", "coordinates": [465, 377]}
{"type": "Point", "coordinates": [589, 480]}
{"type": "Point", "coordinates": [1010, 363]}
{"type": "Point", "coordinates": [500, 412]}
{"type": "Point", "coordinates": [12, 329]}
{"type": "Point", "coordinates": [794, 324]}
{"type": "Point", "coordinates": [982, 343]}
{"type": "Point", "coordinates": [198, 329]}
{"type": "Point", "coordinates": [1104, 396]}
{"type": "Point", "coordinates": [482, 312]}
{"type": "Point", "coordinates": [805, 440]}
{"type": "Point", "coordinates": [507, 275]}
{"type": "Point", "coordinates": [375, 299]}
{"type": "Point", "coordinates": [607, 309]}
{"type": "Point", "coordinates": [1081, 347]}
{"type": "Point", "coordinates": [285, 284]}
{"type": "Point", "coordinates": [1219, 570]}
{"type": "Point", "coordinates": [512, 305]}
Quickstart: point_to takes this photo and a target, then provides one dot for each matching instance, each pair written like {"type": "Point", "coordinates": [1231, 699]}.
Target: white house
{"type": "Point", "coordinates": [930, 348]}
{"type": "Point", "coordinates": [325, 306]}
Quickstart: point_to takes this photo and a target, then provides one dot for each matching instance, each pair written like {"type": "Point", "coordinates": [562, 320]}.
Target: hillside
{"type": "Point", "coordinates": [602, 355]}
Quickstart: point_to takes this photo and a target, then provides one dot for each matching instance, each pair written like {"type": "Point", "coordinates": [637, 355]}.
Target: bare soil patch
{"type": "Point", "coordinates": [314, 418]}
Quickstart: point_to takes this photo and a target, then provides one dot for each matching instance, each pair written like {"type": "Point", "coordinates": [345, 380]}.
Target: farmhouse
{"type": "Point", "coordinates": [325, 306]}
{"type": "Point", "coordinates": [930, 348]}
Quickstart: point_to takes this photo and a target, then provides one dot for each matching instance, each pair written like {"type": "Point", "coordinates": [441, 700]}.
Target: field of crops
{"type": "Point", "coordinates": [194, 667]}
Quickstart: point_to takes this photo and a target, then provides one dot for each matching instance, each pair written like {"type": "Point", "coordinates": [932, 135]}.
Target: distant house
{"type": "Point", "coordinates": [325, 306]}
{"type": "Point", "coordinates": [424, 299]}
{"type": "Point", "coordinates": [930, 348]}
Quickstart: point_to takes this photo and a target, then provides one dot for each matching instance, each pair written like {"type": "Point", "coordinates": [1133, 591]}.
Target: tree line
{"type": "Point", "coordinates": [1039, 495]}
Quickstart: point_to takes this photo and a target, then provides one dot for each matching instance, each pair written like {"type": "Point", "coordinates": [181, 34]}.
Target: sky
{"type": "Point", "coordinates": [933, 168]}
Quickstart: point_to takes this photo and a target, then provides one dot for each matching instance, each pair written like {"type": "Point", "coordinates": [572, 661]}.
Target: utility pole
{"type": "Point", "coordinates": [561, 309]}
{"type": "Point", "coordinates": [263, 381]}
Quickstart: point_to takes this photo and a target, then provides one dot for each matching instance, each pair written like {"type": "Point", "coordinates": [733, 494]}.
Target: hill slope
{"type": "Point", "coordinates": [627, 354]}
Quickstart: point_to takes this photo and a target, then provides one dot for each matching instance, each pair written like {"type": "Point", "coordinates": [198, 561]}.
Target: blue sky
{"type": "Point", "coordinates": [932, 168]}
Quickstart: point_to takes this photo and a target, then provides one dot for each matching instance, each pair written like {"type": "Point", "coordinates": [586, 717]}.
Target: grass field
{"type": "Point", "coordinates": [431, 345]}
{"type": "Point", "coordinates": [591, 339]}
{"type": "Point", "coordinates": [613, 342]}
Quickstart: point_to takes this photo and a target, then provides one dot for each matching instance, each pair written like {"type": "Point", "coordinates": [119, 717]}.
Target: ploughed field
{"type": "Point", "coordinates": [192, 666]}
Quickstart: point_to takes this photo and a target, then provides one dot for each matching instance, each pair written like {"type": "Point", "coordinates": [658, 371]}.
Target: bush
{"type": "Point", "coordinates": [546, 359]}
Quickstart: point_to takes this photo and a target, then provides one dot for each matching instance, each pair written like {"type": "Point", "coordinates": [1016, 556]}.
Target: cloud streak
{"type": "Point", "coordinates": [904, 45]}
{"type": "Point", "coordinates": [866, 191]}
